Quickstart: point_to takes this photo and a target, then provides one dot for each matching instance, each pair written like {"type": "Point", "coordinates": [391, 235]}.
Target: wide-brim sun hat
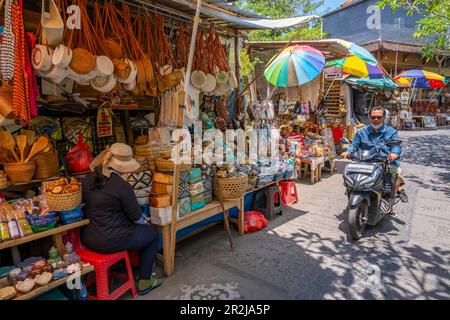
{"type": "Point", "coordinates": [118, 157]}
{"type": "Point", "coordinates": [122, 158]}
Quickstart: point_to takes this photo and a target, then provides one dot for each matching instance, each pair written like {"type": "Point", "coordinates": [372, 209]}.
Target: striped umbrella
{"type": "Point", "coordinates": [421, 79]}
{"type": "Point", "coordinates": [296, 65]}
{"type": "Point", "coordinates": [358, 67]}
{"type": "Point", "coordinates": [358, 51]}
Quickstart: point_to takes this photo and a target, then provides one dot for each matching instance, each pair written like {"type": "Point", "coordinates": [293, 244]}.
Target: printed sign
{"type": "Point", "coordinates": [332, 73]}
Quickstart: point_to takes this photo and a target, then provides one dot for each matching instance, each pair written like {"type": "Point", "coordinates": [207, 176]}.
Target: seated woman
{"type": "Point", "coordinates": [112, 208]}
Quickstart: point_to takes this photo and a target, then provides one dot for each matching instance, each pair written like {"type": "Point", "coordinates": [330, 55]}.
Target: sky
{"type": "Point", "coordinates": [328, 4]}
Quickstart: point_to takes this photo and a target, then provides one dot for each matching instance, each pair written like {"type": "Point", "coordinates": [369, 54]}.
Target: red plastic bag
{"type": "Point", "coordinates": [79, 157]}
{"type": "Point", "coordinates": [254, 221]}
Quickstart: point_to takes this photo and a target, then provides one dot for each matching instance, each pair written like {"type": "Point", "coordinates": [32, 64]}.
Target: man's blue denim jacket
{"type": "Point", "coordinates": [367, 139]}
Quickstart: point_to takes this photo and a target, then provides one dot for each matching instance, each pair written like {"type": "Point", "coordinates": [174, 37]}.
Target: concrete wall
{"type": "Point", "coordinates": [351, 24]}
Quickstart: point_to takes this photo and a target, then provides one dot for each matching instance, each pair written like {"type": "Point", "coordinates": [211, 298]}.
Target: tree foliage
{"type": "Point", "coordinates": [279, 9]}
{"type": "Point", "coordinates": [433, 28]}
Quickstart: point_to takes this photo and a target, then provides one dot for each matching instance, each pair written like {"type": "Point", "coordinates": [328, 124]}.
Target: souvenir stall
{"type": "Point", "coordinates": [118, 74]}
{"type": "Point", "coordinates": [315, 112]}
{"type": "Point", "coordinates": [423, 91]}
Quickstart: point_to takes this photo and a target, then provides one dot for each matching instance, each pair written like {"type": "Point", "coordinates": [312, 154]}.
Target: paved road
{"type": "Point", "coordinates": [306, 253]}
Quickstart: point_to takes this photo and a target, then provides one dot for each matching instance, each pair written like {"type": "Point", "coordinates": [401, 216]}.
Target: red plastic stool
{"type": "Point", "coordinates": [288, 192]}
{"type": "Point", "coordinates": [134, 258]}
{"type": "Point", "coordinates": [101, 263]}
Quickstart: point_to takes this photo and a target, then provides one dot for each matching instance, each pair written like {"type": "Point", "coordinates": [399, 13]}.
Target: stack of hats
{"type": "Point", "coordinates": [196, 189]}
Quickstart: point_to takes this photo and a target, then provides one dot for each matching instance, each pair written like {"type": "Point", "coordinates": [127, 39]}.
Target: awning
{"type": "Point", "coordinates": [372, 84]}
{"type": "Point", "coordinates": [248, 22]}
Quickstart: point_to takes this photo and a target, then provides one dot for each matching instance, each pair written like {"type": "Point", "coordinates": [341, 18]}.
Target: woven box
{"type": "Point", "coordinates": [184, 206]}
{"type": "Point", "coordinates": [197, 202]}
{"type": "Point", "coordinates": [207, 183]}
{"type": "Point", "coordinates": [195, 175]}
{"type": "Point", "coordinates": [208, 196]}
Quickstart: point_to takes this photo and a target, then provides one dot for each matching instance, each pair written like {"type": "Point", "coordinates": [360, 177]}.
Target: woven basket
{"type": "Point", "coordinates": [20, 172]}
{"type": "Point", "coordinates": [147, 151]}
{"type": "Point", "coordinates": [232, 188]}
{"type": "Point", "coordinates": [3, 181]}
{"type": "Point", "coordinates": [168, 165]}
{"type": "Point", "coordinates": [47, 164]}
{"type": "Point", "coordinates": [63, 201]}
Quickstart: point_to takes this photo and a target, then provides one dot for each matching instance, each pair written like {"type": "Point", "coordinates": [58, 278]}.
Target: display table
{"type": "Point", "coordinates": [52, 285]}
{"type": "Point", "coordinates": [311, 166]}
{"type": "Point", "coordinates": [419, 119]}
{"type": "Point", "coordinates": [191, 218]}
{"type": "Point", "coordinates": [56, 233]}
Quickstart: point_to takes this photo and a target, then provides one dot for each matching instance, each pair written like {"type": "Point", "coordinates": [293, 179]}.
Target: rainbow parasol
{"type": "Point", "coordinates": [296, 65]}
{"type": "Point", "coordinates": [421, 79]}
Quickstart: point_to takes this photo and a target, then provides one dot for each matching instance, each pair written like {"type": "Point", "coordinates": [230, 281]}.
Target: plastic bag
{"type": "Point", "coordinates": [254, 221]}
{"type": "Point", "coordinates": [79, 157]}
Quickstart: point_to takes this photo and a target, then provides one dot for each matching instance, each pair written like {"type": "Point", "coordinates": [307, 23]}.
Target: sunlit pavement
{"type": "Point", "coordinates": [306, 253]}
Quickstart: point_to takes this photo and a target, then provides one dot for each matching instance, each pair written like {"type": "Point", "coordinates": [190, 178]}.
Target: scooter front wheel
{"type": "Point", "coordinates": [355, 221]}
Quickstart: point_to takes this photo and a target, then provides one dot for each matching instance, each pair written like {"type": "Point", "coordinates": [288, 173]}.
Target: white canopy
{"type": "Point", "coordinates": [251, 23]}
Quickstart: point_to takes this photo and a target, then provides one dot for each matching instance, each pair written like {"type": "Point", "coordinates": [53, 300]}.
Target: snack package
{"type": "Point", "coordinates": [23, 223]}
{"type": "Point", "coordinates": [13, 227]}
{"type": "Point", "coordinates": [43, 206]}
{"type": "Point", "coordinates": [4, 233]}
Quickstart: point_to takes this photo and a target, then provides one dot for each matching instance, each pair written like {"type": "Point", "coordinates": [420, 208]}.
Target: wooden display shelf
{"type": "Point", "coordinates": [40, 235]}
{"type": "Point", "coordinates": [52, 285]}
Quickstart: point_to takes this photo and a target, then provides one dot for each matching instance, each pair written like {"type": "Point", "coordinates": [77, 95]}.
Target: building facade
{"type": "Point", "coordinates": [389, 36]}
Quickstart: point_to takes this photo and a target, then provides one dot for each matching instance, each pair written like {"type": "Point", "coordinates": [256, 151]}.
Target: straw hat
{"type": "Point", "coordinates": [104, 66]}
{"type": "Point", "coordinates": [62, 56]}
{"type": "Point", "coordinates": [41, 58]}
{"type": "Point", "coordinates": [83, 61]}
{"type": "Point", "coordinates": [118, 157]}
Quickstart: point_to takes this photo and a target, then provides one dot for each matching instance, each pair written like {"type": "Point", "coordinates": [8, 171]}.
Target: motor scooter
{"type": "Point", "coordinates": [370, 188]}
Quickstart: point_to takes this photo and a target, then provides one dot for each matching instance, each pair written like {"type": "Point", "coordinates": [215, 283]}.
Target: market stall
{"type": "Point", "coordinates": [425, 93]}
{"type": "Point", "coordinates": [131, 73]}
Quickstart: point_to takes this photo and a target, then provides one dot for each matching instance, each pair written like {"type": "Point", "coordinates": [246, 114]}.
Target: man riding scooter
{"type": "Point", "coordinates": [374, 137]}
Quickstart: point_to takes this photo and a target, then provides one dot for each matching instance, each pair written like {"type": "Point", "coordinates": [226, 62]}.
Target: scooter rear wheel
{"type": "Point", "coordinates": [355, 221]}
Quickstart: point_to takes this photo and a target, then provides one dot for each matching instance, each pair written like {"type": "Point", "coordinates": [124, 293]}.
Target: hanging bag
{"type": "Point", "coordinates": [79, 157]}
{"type": "Point", "coordinates": [52, 24]}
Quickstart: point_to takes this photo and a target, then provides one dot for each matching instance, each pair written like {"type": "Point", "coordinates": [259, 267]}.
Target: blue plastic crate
{"type": "Point", "coordinates": [71, 216]}
{"type": "Point", "coordinates": [42, 220]}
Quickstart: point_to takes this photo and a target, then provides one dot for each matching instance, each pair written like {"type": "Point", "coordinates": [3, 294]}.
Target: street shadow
{"type": "Point", "coordinates": [286, 261]}
{"type": "Point", "coordinates": [417, 150]}
{"type": "Point", "coordinates": [385, 226]}
{"type": "Point", "coordinates": [441, 184]}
